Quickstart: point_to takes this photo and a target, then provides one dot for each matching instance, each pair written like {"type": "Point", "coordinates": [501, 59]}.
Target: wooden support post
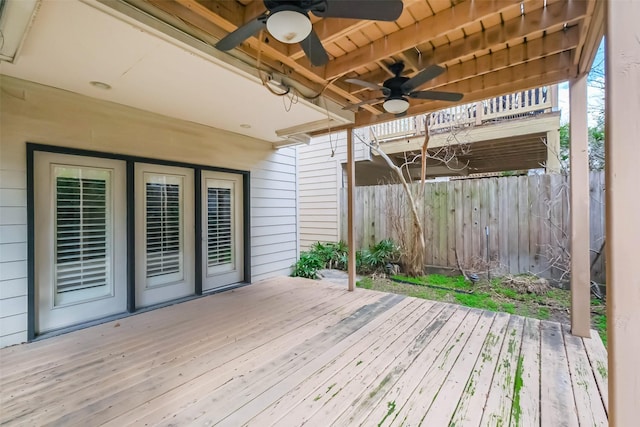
{"type": "Point", "coordinates": [623, 204]}
{"type": "Point", "coordinates": [553, 152]}
{"type": "Point", "coordinates": [351, 233]}
{"type": "Point", "coordinates": [553, 97]}
{"type": "Point", "coordinates": [580, 257]}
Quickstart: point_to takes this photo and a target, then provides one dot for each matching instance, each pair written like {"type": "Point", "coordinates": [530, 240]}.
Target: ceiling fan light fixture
{"type": "Point", "coordinates": [289, 26]}
{"type": "Point", "coordinates": [396, 105]}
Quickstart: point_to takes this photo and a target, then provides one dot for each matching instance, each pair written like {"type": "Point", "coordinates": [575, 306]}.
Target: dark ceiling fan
{"type": "Point", "coordinates": [398, 88]}
{"type": "Point", "coordinates": [288, 21]}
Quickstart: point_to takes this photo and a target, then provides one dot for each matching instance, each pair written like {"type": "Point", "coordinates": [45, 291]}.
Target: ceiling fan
{"type": "Point", "coordinates": [288, 21]}
{"type": "Point", "coordinates": [398, 88]}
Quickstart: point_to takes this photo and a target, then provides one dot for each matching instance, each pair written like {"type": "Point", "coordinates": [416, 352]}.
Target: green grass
{"type": "Point", "coordinates": [492, 296]}
{"type": "Point", "coordinates": [453, 282]}
{"type": "Point", "coordinates": [543, 313]}
{"type": "Point", "coordinates": [365, 283]}
{"type": "Point", "coordinates": [601, 326]}
{"type": "Point", "coordinates": [477, 300]}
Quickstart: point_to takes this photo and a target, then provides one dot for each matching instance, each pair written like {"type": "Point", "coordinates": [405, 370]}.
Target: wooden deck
{"type": "Point", "coordinates": [289, 352]}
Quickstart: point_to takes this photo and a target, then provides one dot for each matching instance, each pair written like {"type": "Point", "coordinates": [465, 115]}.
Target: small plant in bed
{"type": "Point", "coordinates": [308, 265]}
{"type": "Point", "coordinates": [335, 255]}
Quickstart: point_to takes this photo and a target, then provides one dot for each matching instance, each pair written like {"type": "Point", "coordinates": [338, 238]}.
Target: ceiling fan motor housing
{"type": "Point", "coordinates": [394, 84]}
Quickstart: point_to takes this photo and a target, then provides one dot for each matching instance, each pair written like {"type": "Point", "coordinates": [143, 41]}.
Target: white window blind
{"type": "Point", "coordinates": [219, 227]}
{"type": "Point", "coordinates": [82, 231]}
{"type": "Point", "coordinates": [163, 229]}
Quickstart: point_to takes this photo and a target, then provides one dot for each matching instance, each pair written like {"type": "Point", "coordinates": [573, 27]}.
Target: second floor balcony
{"type": "Point", "coordinates": [516, 105]}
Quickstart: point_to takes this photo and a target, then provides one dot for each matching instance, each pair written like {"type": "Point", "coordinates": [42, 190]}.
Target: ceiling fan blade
{"type": "Point", "coordinates": [431, 72]}
{"type": "Point", "coordinates": [312, 46]}
{"type": "Point", "coordinates": [360, 104]}
{"type": "Point", "coordinates": [368, 85]}
{"type": "Point", "coordinates": [242, 33]}
{"type": "Point", "coordinates": [375, 10]}
{"type": "Point", "coordinates": [436, 95]}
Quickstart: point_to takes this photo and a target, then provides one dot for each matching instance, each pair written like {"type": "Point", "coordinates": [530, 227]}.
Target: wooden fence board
{"type": "Point", "coordinates": [451, 224]}
{"type": "Point", "coordinates": [428, 222]}
{"type": "Point", "coordinates": [514, 255]}
{"type": "Point", "coordinates": [435, 236]}
{"type": "Point", "coordinates": [483, 188]}
{"type": "Point", "coordinates": [534, 223]}
{"type": "Point", "coordinates": [467, 226]}
{"type": "Point", "coordinates": [494, 250]}
{"type": "Point", "coordinates": [523, 224]}
{"type": "Point", "coordinates": [443, 250]}
{"type": "Point", "coordinates": [527, 218]}
{"type": "Point", "coordinates": [476, 228]}
{"type": "Point", "coordinates": [459, 221]}
{"type": "Point", "coordinates": [503, 224]}
{"type": "Point", "coordinates": [558, 231]}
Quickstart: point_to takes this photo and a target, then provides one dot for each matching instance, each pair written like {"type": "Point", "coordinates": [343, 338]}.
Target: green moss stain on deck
{"type": "Point", "coordinates": [391, 407]}
{"type": "Point", "coordinates": [517, 387]}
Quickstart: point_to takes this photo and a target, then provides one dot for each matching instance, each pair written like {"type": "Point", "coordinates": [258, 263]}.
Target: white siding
{"type": "Point", "coordinates": [40, 114]}
{"type": "Point", "coordinates": [273, 215]}
{"type": "Point", "coordinates": [319, 183]}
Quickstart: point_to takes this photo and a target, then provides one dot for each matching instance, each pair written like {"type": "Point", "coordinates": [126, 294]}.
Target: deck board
{"type": "Point", "coordinates": [558, 406]}
{"type": "Point", "coordinates": [526, 408]}
{"type": "Point", "coordinates": [291, 351]}
{"type": "Point", "coordinates": [590, 412]}
{"type": "Point", "coordinates": [497, 411]}
{"type": "Point", "coordinates": [344, 386]}
{"type": "Point", "coordinates": [471, 404]}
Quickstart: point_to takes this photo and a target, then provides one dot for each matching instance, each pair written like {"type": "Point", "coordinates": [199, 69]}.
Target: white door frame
{"type": "Point", "coordinates": [158, 289]}
{"type": "Point", "coordinates": [56, 310]}
{"type": "Point", "coordinates": [231, 272]}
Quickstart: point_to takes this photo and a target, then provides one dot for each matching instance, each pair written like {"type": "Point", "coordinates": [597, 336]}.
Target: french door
{"type": "Point", "coordinates": [222, 230]}
{"type": "Point", "coordinates": [165, 233]}
{"type": "Point", "coordinates": [81, 242]}
{"type": "Point", "coordinates": [79, 239]}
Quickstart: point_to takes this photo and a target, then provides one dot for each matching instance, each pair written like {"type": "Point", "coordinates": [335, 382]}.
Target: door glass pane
{"type": "Point", "coordinates": [163, 229]}
{"type": "Point", "coordinates": [219, 227]}
{"type": "Point", "coordinates": [82, 232]}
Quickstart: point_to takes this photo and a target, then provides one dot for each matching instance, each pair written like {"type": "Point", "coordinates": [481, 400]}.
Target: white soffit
{"type": "Point", "coordinates": [72, 43]}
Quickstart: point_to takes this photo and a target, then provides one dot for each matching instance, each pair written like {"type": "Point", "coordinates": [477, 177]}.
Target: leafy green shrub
{"type": "Point", "coordinates": [335, 255]}
{"type": "Point", "coordinates": [308, 265]}
{"type": "Point", "coordinates": [377, 256]}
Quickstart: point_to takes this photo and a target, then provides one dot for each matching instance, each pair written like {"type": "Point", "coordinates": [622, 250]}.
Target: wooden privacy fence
{"type": "Point", "coordinates": [511, 224]}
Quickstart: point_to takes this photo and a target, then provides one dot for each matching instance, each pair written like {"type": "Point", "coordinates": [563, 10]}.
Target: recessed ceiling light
{"type": "Point", "coordinates": [100, 85]}
{"type": "Point", "coordinates": [245, 126]}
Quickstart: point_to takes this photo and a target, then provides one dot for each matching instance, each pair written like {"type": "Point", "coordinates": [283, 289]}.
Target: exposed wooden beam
{"type": "Point", "coordinates": [252, 10]}
{"type": "Point", "coordinates": [592, 37]}
{"type": "Point", "coordinates": [514, 29]}
{"type": "Point", "coordinates": [332, 29]}
{"type": "Point", "coordinates": [199, 17]}
{"type": "Point", "coordinates": [429, 28]}
{"type": "Point", "coordinates": [228, 15]}
{"type": "Point", "coordinates": [552, 44]}
{"type": "Point", "coordinates": [580, 255]}
{"type": "Point", "coordinates": [412, 59]}
{"type": "Point", "coordinates": [584, 28]}
{"type": "Point", "coordinates": [548, 70]}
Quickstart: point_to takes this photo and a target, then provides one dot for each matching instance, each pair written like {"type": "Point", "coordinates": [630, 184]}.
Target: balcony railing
{"type": "Point", "coordinates": [512, 106]}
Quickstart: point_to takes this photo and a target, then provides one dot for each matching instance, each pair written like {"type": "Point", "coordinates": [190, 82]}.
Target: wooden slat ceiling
{"type": "Point", "coordinates": [488, 47]}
